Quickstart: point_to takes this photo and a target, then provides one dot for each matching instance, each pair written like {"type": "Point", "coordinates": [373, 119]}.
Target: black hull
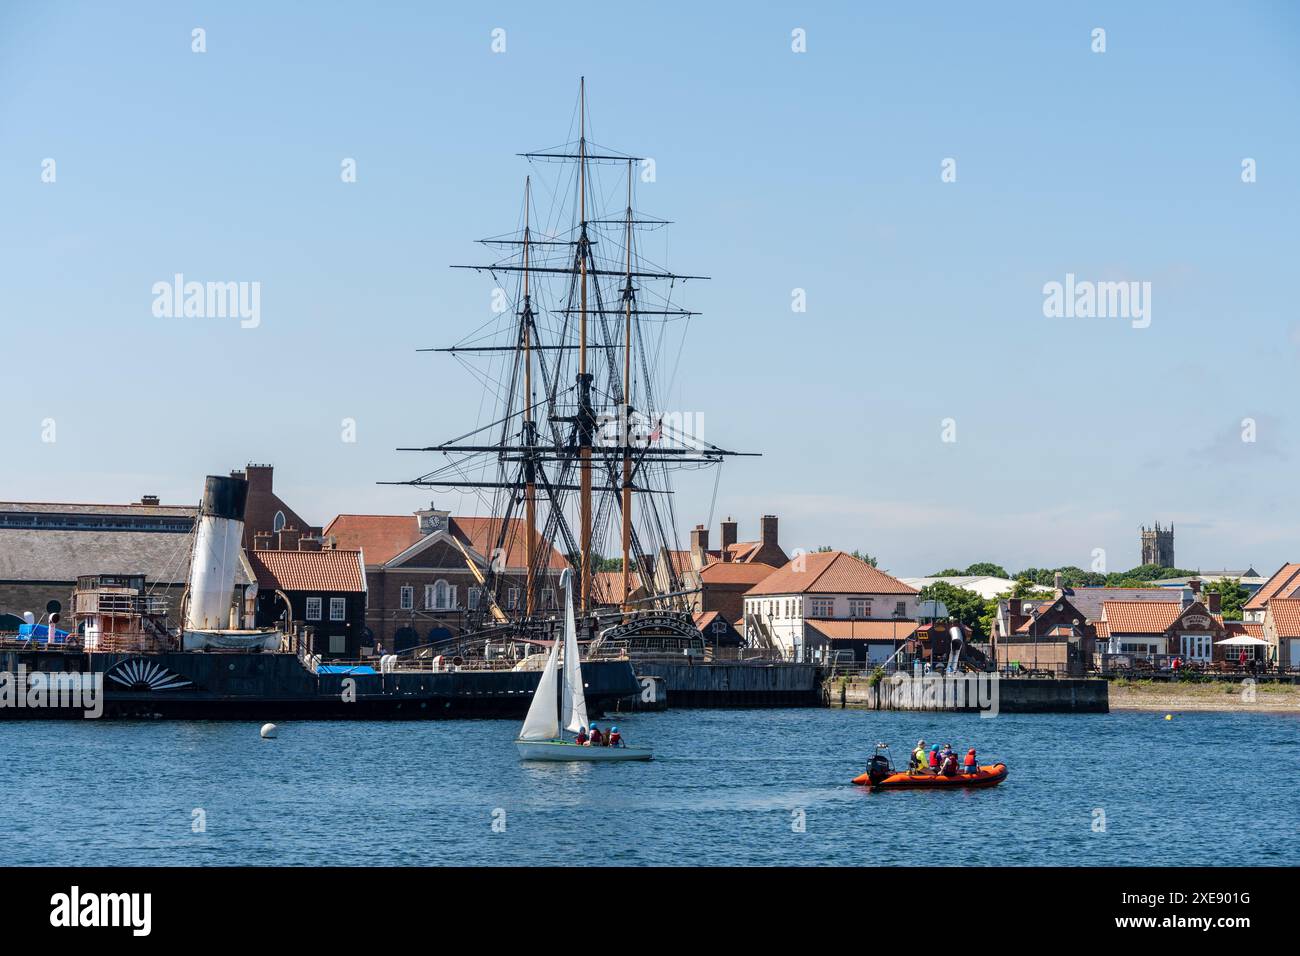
{"type": "Point", "coordinates": [219, 686]}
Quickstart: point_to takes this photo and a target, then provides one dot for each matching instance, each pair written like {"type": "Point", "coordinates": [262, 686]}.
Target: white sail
{"type": "Point", "coordinates": [542, 722]}
{"type": "Point", "coordinates": [575, 701]}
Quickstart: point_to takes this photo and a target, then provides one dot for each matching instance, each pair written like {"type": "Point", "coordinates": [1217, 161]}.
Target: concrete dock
{"type": "Point", "coordinates": [1011, 695]}
{"type": "Point", "coordinates": [735, 683]}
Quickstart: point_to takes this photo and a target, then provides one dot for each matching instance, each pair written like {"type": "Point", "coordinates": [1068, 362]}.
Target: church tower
{"type": "Point", "coordinates": [1158, 546]}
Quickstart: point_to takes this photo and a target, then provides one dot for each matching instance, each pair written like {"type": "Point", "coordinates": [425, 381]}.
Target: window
{"type": "Point", "coordinates": [338, 608]}
{"type": "Point", "coordinates": [512, 598]}
{"type": "Point", "coordinates": [475, 596]}
{"type": "Point", "coordinates": [1196, 646]}
{"type": "Point", "coordinates": [313, 609]}
{"type": "Point", "coordinates": [338, 643]}
{"type": "Point", "coordinates": [822, 607]}
{"type": "Point", "coordinates": [277, 525]}
{"type": "Point", "coordinates": [408, 597]}
{"type": "Point", "coordinates": [428, 597]}
{"type": "Point", "coordinates": [859, 607]}
{"type": "Point", "coordinates": [901, 609]}
{"type": "Point", "coordinates": [441, 596]}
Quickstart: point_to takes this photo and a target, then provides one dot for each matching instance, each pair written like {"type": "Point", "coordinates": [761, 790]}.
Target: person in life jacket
{"type": "Point", "coordinates": [597, 738]}
{"type": "Point", "coordinates": [918, 756]}
{"type": "Point", "coordinates": [934, 759]}
{"type": "Point", "coordinates": [581, 741]}
{"type": "Point", "coordinates": [948, 766]}
{"type": "Point", "coordinates": [969, 764]}
{"type": "Point", "coordinates": [615, 738]}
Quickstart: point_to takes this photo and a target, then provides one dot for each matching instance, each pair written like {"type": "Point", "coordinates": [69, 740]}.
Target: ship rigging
{"type": "Point", "coordinates": [579, 454]}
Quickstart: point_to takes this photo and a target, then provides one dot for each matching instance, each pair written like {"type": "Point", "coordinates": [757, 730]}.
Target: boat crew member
{"type": "Point", "coordinates": [582, 737]}
{"type": "Point", "coordinates": [615, 738]}
{"type": "Point", "coordinates": [918, 756]}
{"type": "Point", "coordinates": [597, 738]}
{"type": "Point", "coordinates": [934, 759]}
{"type": "Point", "coordinates": [948, 764]}
{"type": "Point", "coordinates": [971, 766]}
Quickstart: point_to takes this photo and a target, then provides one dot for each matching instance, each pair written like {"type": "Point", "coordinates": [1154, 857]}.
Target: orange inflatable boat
{"type": "Point", "coordinates": [988, 776]}
{"type": "Point", "coordinates": [881, 774]}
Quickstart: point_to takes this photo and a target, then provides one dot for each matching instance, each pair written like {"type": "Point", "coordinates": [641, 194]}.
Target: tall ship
{"type": "Point", "coordinates": [576, 452]}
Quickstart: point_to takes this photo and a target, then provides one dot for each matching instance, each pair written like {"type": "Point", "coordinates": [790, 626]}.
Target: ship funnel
{"type": "Point", "coordinates": [216, 553]}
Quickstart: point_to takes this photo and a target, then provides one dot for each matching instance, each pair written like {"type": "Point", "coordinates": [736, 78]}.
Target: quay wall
{"type": "Point", "coordinates": [737, 683]}
{"type": "Point", "coordinates": [1015, 695]}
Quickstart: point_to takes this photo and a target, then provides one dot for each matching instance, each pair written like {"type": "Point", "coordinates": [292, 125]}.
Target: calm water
{"type": "Point", "coordinates": [1202, 789]}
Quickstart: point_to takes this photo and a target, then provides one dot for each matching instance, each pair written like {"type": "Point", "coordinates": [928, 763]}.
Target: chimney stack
{"type": "Point", "coordinates": [150, 501]}
{"type": "Point", "coordinates": [768, 523]}
{"type": "Point", "coordinates": [306, 543]}
{"type": "Point", "coordinates": [728, 537]}
{"type": "Point", "coordinates": [1057, 581]}
{"type": "Point", "coordinates": [1215, 602]}
{"type": "Point", "coordinates": [289, 536]}
{"type": "Point", "coordinates": [263, 541]}
{"type": "Point", "coordinates": [1195, 585]}
{"type": "Point", "coordinates": [699, 545]}
{"type": "Point", "coordinates": [1015, 606]}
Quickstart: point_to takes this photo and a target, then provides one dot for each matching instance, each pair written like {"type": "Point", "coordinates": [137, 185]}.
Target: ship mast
{"type": "Point", "coordinates": [584, 380]}
{"type": "Point", "coordinates": [530, 438]}
{"type": "Point", "coordinates": [626, 423]}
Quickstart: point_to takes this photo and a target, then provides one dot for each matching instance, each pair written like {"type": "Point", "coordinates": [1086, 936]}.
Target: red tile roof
{"type": "Point", "coordinates": [336, 570]}
{"type": "Point", "coordinates": [729, 572]}
{"type": "Point", "coordinates": [1244, 628]}
{"type": "Point", "coordinates": [830, 572]}
{"type": "Point", "coordinates": [1286, 616]}
{"type": "Point", "coordinates": [837, 630]}
{"type": "Point", "coordinates": [607, 586]}
{"type": "Point", "coordinates": [1101, 628]}
{"type": "Point", "coordinates": [1284, 583]}
{"type": "Point", "coordinates": [384, 537]}
{"type": "Point", "coordinates": [1141, 617]}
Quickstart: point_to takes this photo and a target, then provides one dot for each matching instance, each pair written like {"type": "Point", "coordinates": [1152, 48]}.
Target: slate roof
{"type": "Point", "coordinates": [29, 554]}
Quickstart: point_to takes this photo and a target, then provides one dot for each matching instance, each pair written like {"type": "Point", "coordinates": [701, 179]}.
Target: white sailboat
{"type": "Point", "coordinates": [560, 703]}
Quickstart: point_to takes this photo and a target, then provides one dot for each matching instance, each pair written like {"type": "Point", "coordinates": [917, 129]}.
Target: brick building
{"type": "Point", "coordinates": [266, 511]}
{"type": "Point", "coordinates": [323, 592]}
{"type": "Point", "coordinates": [678, 570]}
{"type": "Point", "coordinates": [420, 586]}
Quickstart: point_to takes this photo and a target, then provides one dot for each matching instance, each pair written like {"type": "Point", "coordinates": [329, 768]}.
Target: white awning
{"type": "Point", "coordinates": [1242, 640]}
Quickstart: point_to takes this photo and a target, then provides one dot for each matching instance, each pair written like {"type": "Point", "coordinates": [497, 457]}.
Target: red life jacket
{"type": "Point", "coordinates": [597, 739]}
{"type": "Point", "coordinates": [615, 739]}
{"type": "Point", "coordinates": [970, 760]}
{"type": "Point", "coordinates": [582, 739]}
{"type": "Point", "coordinates": [934, 759]}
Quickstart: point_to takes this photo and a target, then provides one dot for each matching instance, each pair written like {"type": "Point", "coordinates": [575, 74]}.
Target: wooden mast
{"type": "Point", "coordinates": [530, 476]}
{"type": "Point", "coordinates": [627, 406]}
{"type": "Point", "coordinates": [584, 429]}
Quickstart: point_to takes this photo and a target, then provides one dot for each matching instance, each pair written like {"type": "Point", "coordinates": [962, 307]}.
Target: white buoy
{"type": "Point", "coordinates": [269, 731]}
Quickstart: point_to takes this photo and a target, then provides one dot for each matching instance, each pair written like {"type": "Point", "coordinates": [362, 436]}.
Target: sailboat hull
{"type": "Point", "coordinates": [563, 750]}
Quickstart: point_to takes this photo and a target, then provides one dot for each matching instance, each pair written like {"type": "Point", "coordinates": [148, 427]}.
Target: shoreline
{"type": "Point", "coordinates": [1204, 698]}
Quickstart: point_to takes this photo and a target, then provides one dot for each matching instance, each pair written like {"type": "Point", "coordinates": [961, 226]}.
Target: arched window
{"type": "Point", "coordinates": [278, 524]}
{"type": "Point", "coordinates": [441, 596]}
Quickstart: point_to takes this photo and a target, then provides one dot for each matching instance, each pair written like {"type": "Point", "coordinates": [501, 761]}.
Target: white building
{"type": "Point", "coordinates": [784, 609]}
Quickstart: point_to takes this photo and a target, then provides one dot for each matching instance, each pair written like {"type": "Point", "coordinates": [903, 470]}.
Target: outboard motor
{"type": "Point", "coordinates": [879, 766]}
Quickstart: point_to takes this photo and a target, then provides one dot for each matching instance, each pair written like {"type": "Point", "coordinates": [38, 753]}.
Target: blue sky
{"type": "Point", "coordinates": [818, 170]}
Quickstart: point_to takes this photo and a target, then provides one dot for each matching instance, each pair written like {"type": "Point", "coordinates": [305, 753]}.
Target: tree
{"type": "Point", "coordinates": [1232, 597]}
{"type": "Point", "coordinates": [860, 555]}
{"type": "Point", "coordinates": [988, 569]}
{"type": "Point", "coordinates": [965, 607]}
{"type": "Point", "coordinates": [948, 573]}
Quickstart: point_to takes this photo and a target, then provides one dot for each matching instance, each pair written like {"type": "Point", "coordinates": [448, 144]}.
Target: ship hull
{"type": "Point", "coordinates": [259, 686]}
{"type": "Point", "coordinates": [563, 751]}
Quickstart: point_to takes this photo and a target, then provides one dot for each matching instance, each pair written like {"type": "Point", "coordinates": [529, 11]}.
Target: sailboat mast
{"type": "Point", "coordinates": [584, 380]}
{"type": "Point", "coordinates": [530, 470]}
{"type": "Point", "coordinates": [627, 405]}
